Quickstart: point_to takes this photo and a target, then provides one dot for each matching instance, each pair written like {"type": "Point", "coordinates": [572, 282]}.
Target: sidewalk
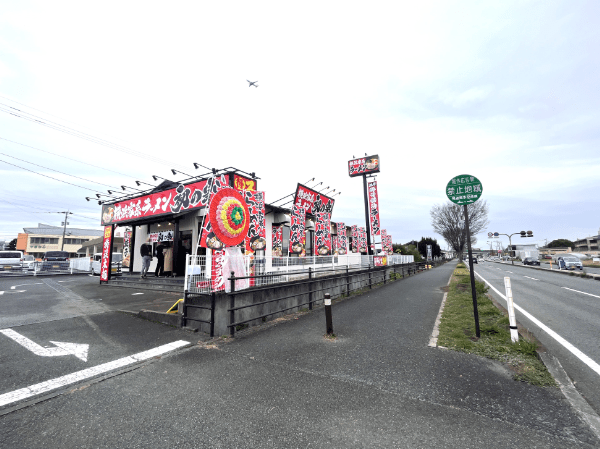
{"type": "Point", "coordinates": [378, 384]}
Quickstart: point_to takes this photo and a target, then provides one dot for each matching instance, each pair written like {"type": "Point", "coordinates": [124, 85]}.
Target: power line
{"type": "Point", "coordinates": [57, 171]}
{"type": "Point", "coordinates": [50, 114]}
{"type": "Point", "coordinates": [69, 158]}
{"type": "Point", "coordinates": [46, 176]}
{"type": "Point", "coordinates": [82, 135]}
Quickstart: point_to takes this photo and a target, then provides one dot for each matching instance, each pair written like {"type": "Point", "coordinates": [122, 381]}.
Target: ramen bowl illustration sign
{"type": "Point", "coordinates": [229, 217]}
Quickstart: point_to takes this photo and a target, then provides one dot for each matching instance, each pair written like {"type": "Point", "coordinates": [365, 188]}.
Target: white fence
{"type": "Point", "coordinates": [81, 264]}
{"type": "Point", "coordinates": [272, 269]}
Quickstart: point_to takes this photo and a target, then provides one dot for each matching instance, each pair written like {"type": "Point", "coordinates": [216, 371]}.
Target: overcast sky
{"type": "Point", "coordinates": [504, 91]}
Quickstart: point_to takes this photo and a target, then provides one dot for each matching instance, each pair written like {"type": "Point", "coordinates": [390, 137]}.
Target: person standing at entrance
{"type": "Point", "coordinates": [146, 253]}
{"type": "Point", "coordinates": [160, 264]}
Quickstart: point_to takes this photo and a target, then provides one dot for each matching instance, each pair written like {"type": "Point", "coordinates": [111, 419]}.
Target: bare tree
{"type": "Point", "coordinates": [448, 220]}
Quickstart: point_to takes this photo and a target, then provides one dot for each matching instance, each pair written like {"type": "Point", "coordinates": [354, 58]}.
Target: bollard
{"type": "Point", "coordinates": [328, 320]}
{"type": "Point", "coordinates": [512, 321]}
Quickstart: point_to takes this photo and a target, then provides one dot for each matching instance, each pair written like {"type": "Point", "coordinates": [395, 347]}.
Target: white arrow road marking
{"type": "Point", "coordinates": [53, 384]}
{"type": "Point", "coordinates": [584, 293]}
{"type": "Point", "coordinates": [15, 286]}
{"type": "Point", "coordinates": [78, 350]}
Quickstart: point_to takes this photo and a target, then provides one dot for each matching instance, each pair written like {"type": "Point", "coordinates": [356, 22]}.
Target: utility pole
{"type": "Point", "coordinates": [67, 213]}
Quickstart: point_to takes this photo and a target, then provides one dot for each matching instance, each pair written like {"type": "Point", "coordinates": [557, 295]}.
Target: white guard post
{"type": "Point", "coordinates": [514, 334]}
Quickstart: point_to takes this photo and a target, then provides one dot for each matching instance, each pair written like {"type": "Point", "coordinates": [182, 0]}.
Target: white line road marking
{"type": "Point", "coordinates": [53, 384]}
{"type": "Point", "coordinates": [584, 293]}
{"type": "Point", "coordinates": [576, 352]}
{"type": "Point", "coordinates": [533, 279]}
{"type": "Point", "coordinates": [16, 291]}
{"type": "Point", "coordinates": [78, 350]}
{"type": "Point", "coordinates": [509, 272]}
{"type": "Point", "coordinates": [133, 294]}
{"type": "Point", "coordinates": [15, 286]}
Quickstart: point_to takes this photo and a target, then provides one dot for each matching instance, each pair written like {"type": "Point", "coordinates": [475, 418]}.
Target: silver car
{"type": "Point", "coordinates": [569, 263]}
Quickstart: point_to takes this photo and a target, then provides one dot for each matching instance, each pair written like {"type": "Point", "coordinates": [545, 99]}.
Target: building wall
{"type": "Point", "coordinates": [39, 244]}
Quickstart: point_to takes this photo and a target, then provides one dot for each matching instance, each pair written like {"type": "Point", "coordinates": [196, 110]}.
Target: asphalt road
{"type": "Point", "coordinates": [567, 305]}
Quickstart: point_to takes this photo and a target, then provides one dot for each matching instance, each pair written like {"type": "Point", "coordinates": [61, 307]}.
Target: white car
{"type": "Point", "coordinates": [28, 262]}
{"type": "Point", "coordinates": [11, 260]}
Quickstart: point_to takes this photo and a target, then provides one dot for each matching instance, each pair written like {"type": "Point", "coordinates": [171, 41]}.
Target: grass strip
{"type": "Point", "coordinates": [457, 331]}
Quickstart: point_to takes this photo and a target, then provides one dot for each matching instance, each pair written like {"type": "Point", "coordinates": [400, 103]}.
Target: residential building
{"type": "Point", "coordinates": [50, 238]}
{"type": "Point", "coordinates": [588, 244]}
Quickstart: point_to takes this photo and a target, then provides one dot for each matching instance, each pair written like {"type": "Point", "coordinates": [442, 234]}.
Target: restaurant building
{"type": "Point", "coordinates": [175, 215]}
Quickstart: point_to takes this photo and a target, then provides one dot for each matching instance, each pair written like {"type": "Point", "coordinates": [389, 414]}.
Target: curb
{"type": "Point", "coordinates": [585, 411]}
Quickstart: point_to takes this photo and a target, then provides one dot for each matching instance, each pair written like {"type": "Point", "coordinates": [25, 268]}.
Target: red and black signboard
{"type": "Point", "coordinates": [106, 253]}
{"type": "Point", "coordinates": [277, 236]}
{"type": "Point", "coordinates": [257, 233]}
{"type": "Point", "coordinates": [312, 201]}
{"type": "Point", "coordinates": [297, 223]}
{"type": "Point", "coordinates": [172, 201]}
{"type": "Point", "coordinates": [242, 183]}
{"type": "Point", "coordinates": [342, 239]}
{"type": "Point", "coordinates": [374, 208]}
{"type": "Point", "coordinates": [363, 165]}
{"type": "Point", "coordinates": [355, 236]}
{"type": "Point", "coordinates": [323, 234]}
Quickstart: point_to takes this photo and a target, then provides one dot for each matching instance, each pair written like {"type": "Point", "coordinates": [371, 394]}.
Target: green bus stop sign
{"type": "Point", "coordinates": [464, 189]}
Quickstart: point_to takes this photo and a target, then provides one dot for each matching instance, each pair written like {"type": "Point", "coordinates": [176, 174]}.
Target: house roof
{"type": "Point", "coordinates": [45, 229]}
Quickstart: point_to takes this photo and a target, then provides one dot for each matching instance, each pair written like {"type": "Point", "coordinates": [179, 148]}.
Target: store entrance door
{"type": "Point", "coordinates": [184, 247]}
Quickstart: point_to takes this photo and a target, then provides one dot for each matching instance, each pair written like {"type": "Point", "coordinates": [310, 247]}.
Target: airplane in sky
{"type": "Point", "coordinates": [252, 83]}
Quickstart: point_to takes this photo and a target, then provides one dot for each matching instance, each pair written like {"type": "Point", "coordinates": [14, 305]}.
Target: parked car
{"type": "Point", "coordinates": [55, 261]}
{"type": "Point", "coordinates": [569, 263]}
{"type": "Point", "coordinates": [11, 260]}
{"type": "Point", "coordinates": [28, 262]}
{"type": "Point", "coordinates": [467, 260]}
{"type": "Point", "coordinates": [117, 261]}
{"type": "Point", "coordinates": [531, 261]}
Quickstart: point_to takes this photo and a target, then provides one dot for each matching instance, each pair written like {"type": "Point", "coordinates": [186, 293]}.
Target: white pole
{"type": "Point", "coordinates": [514, 335]}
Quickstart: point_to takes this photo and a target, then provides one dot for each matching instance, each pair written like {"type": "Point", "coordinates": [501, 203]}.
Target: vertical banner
{"type": "Point", "coordinates": [354, 242]}
{"type": "Point", "coordinates": [106, 253]}
{"type": "Point", "coordinates": [218, 276]}
{"type": "Point", "coordinates": [374, 208]}
{"type": "Point", "coordinates": [256, 238]}
{"type": "Point", "coordinates": [323, 234]}
{"type": "Point", "coordinates": [384, 241]}
{"type": "Point", "coordinates": [390, 248]}
{"type": "Point", "coordinates": [126, 249]}
{"type": "Point", "coordinates": [297, 235]}
{"type": "Point", "coordinates": [342, 239]}
{"type": "Point", "coordinates": [429, 256]}
{"type": "Point", "coordinates": [334, 245]}
{"type": "Point", "coordinates": [362, 240]}
{"type": "Point", "coordinates": [277, 237]}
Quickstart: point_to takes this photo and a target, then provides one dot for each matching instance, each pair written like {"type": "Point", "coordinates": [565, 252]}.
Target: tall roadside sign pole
{"type": "Point", "coordinates": [465, 190]}
{"type": "Point", "coordinates": [367, 215]}
{"type": "Point", "coordinates": [364, 166]}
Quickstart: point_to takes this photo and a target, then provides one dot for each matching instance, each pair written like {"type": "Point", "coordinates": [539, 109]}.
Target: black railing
{"type": "Point", "coordinates": [185, 315]}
